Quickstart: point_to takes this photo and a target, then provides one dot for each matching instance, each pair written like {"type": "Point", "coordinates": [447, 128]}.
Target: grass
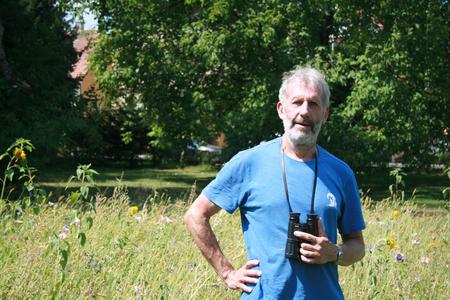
{"type": "Point", "coordinates": [150, 254]}
{"type": "Point", "coordinates": [141, 182]}
{"type": "Point", "coordinates": [423, 189]}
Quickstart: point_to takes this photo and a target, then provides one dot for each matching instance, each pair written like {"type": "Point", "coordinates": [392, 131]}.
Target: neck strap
{"type": "Point", "coordinates": [283, 170]}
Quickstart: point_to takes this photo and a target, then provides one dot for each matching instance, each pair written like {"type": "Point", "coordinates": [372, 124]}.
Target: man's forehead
{"type": "Point", "coordinates": [297, 88]}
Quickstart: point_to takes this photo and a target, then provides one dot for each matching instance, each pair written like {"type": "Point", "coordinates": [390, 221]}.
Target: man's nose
{"type": "Point", "coordinates": [304, 108]}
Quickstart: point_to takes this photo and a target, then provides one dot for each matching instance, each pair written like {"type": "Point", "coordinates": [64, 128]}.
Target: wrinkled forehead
{"type": "Point", "coordinates": [302, 89]}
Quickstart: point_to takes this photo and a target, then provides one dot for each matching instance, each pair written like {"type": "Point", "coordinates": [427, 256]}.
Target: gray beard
{"type": "Point", "coordinates": [302, 140]}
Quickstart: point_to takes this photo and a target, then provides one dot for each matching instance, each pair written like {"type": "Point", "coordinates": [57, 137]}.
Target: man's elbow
{"type": "Point", "coordinates": [189, 217]}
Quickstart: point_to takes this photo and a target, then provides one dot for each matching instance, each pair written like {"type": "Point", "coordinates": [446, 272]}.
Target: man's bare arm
{"type": "Point", "coordinates": [353, 248]}
{"type": "Point", "coordinates": [321, 250]}
{"type": "Point", "coordinates": [197, 220]}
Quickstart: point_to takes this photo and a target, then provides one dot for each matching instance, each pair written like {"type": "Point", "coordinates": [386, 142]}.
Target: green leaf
{"type": "Point", "coordinates": [89, 221]}
{"type": "Point", "coordinates": [74, 197]}
{"type": "Point", "coordinates": [84, 190]}
{"type": "Point", "coordinates": [82, 238]}
{"type": "Point", "coordinates": [64, 258]}
{"type": "Point", "coordinates": [9, 173]}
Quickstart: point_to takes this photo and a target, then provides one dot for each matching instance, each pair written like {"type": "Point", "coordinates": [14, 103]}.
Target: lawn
{"type": "Point", "coordinates": [175, 182]}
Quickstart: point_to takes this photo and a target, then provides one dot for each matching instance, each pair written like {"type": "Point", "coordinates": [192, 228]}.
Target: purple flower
{"type": "Point", "coordinates": [400, 257]}
{"type": "Point", "coordinates": [415, 242]}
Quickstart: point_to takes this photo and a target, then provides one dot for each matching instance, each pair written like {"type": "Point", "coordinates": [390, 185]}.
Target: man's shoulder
{"type": "Point", "coordinates": [264, 149]}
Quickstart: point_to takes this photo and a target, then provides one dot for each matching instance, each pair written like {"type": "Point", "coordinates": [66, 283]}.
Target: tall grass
{"type": "Point", "coordinates": [150, 255]}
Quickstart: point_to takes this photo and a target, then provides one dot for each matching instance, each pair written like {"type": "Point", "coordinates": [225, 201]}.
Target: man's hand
{"type": "Point", "coordinates": [319, 250]}
{"type": "Point", "coordinates": [237, 279]}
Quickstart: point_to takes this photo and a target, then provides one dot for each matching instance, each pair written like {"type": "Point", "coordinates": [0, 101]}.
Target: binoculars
{"type": "Point", "coordinates": [293, 243]}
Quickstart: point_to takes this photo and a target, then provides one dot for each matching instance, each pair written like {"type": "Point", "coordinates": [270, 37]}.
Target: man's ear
{"type": "Point", "coordinates": [326, 114]}
{"type": "Point", "coordinates": [280, 109]}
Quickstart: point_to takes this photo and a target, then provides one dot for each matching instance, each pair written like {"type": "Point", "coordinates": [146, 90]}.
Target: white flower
{"type": "Point", "coordinates": [63, 235]}
{"type": "Point", "coordinates": [425, 260]}
{"type": "Point", "coordinates": [139, 290]}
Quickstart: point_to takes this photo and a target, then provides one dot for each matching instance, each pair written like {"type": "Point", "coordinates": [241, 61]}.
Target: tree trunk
{"type": "Point", "coordinates": [4, 65]}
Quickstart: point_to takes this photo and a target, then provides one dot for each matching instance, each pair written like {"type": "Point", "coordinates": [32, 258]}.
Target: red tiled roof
{"type": "Point", "coordinates": [80, 68]}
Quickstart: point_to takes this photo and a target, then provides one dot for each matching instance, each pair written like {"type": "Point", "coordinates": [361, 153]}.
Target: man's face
{"type": "Point", "coordinates": [303, 113]}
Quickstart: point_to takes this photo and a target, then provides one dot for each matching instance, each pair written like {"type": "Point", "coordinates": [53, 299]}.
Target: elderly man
{"type": "Point", "coordinates": [269, 184]}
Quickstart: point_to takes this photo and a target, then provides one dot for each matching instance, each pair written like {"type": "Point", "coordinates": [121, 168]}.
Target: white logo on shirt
{"type": "Point", "coordinates": [331, 199]}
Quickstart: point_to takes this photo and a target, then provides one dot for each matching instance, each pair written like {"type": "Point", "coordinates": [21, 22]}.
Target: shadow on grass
{"type": "Point", "coordinates": [422, 189]}
{"type": "Point", "coordinates": [141, 183]}
{"type": "Point", "coordinates": [176, 183]}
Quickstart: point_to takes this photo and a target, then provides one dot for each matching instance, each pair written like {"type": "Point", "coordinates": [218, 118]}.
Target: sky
{"type": "Point", "coordinates": [89, 21]}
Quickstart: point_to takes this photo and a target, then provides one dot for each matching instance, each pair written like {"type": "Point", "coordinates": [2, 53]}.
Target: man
{"type": "Point", "coordinates": [273, 179]}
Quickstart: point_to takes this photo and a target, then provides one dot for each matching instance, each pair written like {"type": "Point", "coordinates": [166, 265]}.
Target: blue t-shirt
{"type": "Point", "coordinates": [252, 181]}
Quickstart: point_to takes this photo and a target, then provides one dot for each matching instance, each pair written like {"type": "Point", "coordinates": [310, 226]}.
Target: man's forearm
{"type": "Point", "coordinates": [353, 250]}
{"type": "Point", "coordinates": [206, 241]}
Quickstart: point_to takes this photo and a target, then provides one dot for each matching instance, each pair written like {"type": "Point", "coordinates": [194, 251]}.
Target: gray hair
{"type": "Point", "coordinates": [306, 77]}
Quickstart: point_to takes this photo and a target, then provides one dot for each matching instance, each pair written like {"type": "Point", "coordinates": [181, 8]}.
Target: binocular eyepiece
{"type": "Point", "coordinates": [293, 243]}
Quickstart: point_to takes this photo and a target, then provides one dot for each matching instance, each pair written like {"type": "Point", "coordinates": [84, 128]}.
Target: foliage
{"type": "Point", "coordinates": [81, 197]}
{"type": "Point", "coordinates": [39, 102]}
{"type": "Point", "coordinates": [18, 191]}
{"type": "Point", "coordinates": [203, 67]}
{"type": "Point", "coordinates": [397, 188]}
{"type": "Point", "coordinates": [388, 70]}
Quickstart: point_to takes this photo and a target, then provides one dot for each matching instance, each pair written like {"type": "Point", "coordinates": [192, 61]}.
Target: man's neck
{"type": "Point", "coordinates": [301, 153]}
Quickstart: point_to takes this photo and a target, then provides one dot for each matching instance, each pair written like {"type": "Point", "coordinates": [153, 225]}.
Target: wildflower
{"type": "Point", "coordinates": [66, 228]}
{"type": "Point", "coordinates": [432, 245]}
{"type": "Point", "coordinates": [415, 242]}
{"type": "Point", "coordinates": [425, 260]}
{"type": "Point", "coordinates": [17, 153]}
{"type": "Point", "coordinates": [23, 155]}
{"type": "Point", "coordinates": [63, 235]}
{"type": "Point", "coordinates": [384, 224]}
{"type": "Point", "coordinates": [166, 219]}
{"type": "Point", "coordinates": [76, 222]}
{"type": "Point", "coordinates": [400, 257]}
{"type": "Point", "coordinates": [395, 213]}
{"type": "Point", "coordinates": [370, 248]}
{"type": "Point", "coordinates": [139, 290]}
{"type": "Point", "coordinates": [139, 219]}
{"type": "Point", "coordinates": [390, 242]}
{"type": "Point", "coordinates": [418, 279]}
{"type": "Point", "coordinates": [133, 210]}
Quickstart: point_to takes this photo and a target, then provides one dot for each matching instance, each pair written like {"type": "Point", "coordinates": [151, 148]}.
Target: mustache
{"type": "Point", "coordinates": [307, 122]}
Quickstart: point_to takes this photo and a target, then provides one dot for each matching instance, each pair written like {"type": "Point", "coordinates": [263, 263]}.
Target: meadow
{"type": "Point", "coordinates": [123, 237]}
{"type": "Point", "coordinates": [122, 251]}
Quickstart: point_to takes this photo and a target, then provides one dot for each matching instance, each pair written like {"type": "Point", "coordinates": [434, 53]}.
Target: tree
{"type": "Point", "coordinates": [36, 93]}
{"type": "Point", "coordinates": [203, 67]}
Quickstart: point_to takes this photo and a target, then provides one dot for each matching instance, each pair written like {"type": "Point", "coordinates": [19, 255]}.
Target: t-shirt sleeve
{"type": "Point", "coordinates": [227, 189]}
{"type": "Point", "coordinates": [352, 219]}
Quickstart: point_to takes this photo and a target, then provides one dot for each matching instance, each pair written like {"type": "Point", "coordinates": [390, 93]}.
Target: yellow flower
{"type": "Point", "coordinates": [432, 245]}
{"type": "Point", "coordinates": [23, 155]}
{"type": "Point", "coordinates": [390, 243]}
{"type": "Point", "coordinates": [18, 153]}
{"type": "Point", "coordinates": [395, 213]}
{"type": "Point", "coordinates": [133, 210]}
